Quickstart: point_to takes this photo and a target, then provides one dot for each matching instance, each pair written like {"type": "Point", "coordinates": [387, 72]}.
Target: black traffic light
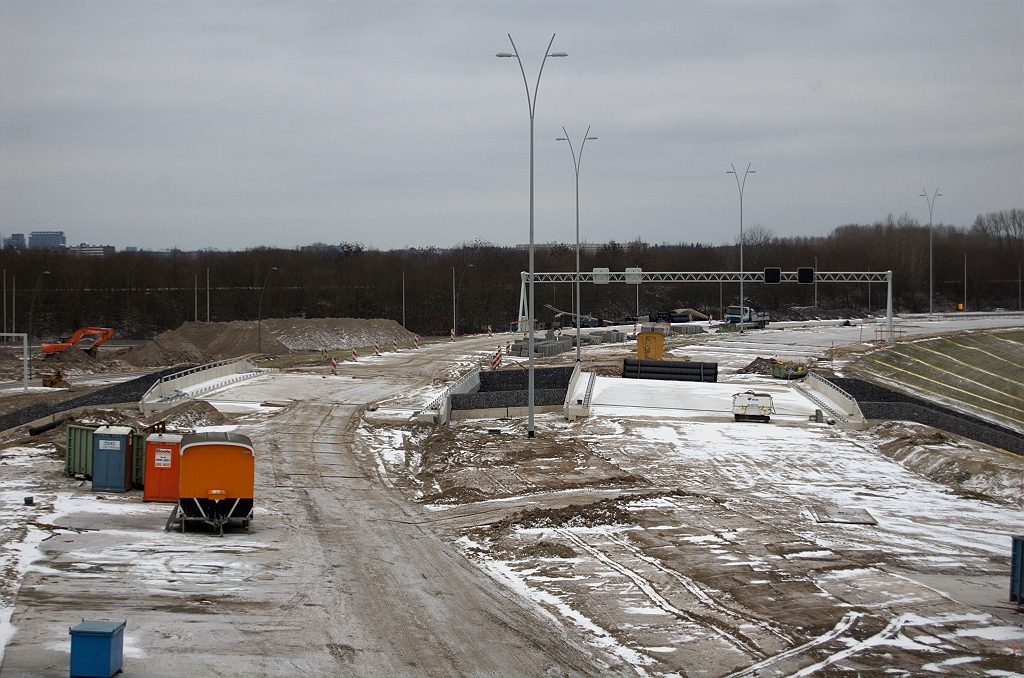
{"type": "Point", "coordinates": [772, 276]}
{"type": "Point", "coordinates": [805, 275]}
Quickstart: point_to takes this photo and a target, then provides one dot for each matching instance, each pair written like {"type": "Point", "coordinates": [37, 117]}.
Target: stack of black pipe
{"type": "Point", "coordinates": [669, 370]}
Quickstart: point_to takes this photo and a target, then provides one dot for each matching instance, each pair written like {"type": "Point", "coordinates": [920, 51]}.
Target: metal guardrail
{"type": "Point", "coordinates": [436, 402]}
{"type": "Point", "coordinates": [815, 382]}
{"type": "Point", "coordinates": [165, 391]}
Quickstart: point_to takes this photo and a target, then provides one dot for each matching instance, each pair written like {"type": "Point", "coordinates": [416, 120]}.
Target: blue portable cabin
{"type": "Point", "coordinates": [112, 458]}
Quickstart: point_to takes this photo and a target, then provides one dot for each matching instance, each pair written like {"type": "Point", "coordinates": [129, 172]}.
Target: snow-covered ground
{"type": "Point", "coordinates": [658, 534]}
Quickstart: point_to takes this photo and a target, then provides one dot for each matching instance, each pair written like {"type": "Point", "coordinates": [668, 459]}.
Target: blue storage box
{"type": "Point", "coordinates": [1017, 571]}
{"type": "Point", "coordinates": [97, 648]}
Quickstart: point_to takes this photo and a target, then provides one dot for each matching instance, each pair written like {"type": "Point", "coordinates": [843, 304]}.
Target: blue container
{"type": "Point", "coordinates": [112, 459]}
{"type": "Point", "coordinates": [97, 648]}
{"type": "Point", "coordinates": [1017, 572]}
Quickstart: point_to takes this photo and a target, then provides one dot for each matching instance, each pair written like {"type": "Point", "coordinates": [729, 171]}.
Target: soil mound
{"type": "Point", "coordinates": [758, 366]}
{"type": "Point", "coordinates": [69, 356]}
{"type": "Point", "coordinates": [170, 348]}
{"type": "Point", "coordinates": [233, 339]}
{"type": "Point", "coordinates": [284, 335]}
{"type": "Point", "coordinates": [189, 416]}
{"type": "Point", "coordinates": [964, 466]}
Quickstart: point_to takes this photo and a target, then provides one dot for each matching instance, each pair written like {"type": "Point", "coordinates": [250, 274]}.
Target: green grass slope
{"type": "Point", "coordinates": [979, 373]}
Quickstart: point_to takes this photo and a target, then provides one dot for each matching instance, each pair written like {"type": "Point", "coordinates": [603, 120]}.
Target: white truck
{"type": "Point", "coordinates": [751, 318]}
{"type": "Point", "coordinates": [750, 406]}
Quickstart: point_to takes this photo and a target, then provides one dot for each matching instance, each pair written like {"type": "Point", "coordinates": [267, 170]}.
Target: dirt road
{"type": "Point", "coordinates": [342, 577]}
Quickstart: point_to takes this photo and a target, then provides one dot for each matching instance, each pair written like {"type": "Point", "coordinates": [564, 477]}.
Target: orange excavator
{"type": "Point", "coordinates": [98, 335]}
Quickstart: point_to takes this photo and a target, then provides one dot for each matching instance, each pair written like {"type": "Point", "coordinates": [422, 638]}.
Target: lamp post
{"type": "Point", "coordinates": [455, 297]}
{"type": "Point", "coordinates": [531, 102]}
{"type": "Point", "coordinates": [576, 166]}
{"type": "Point", "coordinates": [32, 305]}
{"type": "Point", "coordinates": [816, 286]}
{"type": "Point", "coordinates": [931, 279]}
{"type": "Point", "coordinates": [740, 185]}
{"type": "Point", "coordinates": [259, 317]}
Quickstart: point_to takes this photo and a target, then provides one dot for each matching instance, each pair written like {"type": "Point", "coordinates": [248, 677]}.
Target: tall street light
{"type": "Point", "coordinates": [259, 317]}
{"type": "Point", "coordinates": [455, 303]}
{"type": "Point", "coordinates": [531, 102]}
{"type": "Point", "coordinates": [740, 185]}
{"type": "Point", "coordinates": [32, 306]}
{"type": "Point", "coordinates": [576, 166]}
{"type": "Point", "coordinates": [931, 279]}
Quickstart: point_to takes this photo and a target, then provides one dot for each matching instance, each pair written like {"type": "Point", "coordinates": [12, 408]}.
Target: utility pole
{"type": "Point", "coordinates": [931, 260]}
{"type": "Point", "coordinates": [965, 282]}
{"type": "Point", "coordinates": [207, 295]}
{"type": "Point", "coordinates": [403, 299]}
{"type": "Point", "coordinates": [196, 311]}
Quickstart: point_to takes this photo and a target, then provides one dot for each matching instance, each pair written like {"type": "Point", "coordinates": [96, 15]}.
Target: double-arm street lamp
{"type": "Point", "coordinates": [455, 298]}
{"type": "Point", "coordinates": [931, 204]}
{"type": "Point", "coordinates": [531, 102]}
{"type": "Point", "coordinates": [740, 185]}
{"type": "Point", "coordinates": [259, 317]}
{"type": "Point", "coordinates": [576, 166]}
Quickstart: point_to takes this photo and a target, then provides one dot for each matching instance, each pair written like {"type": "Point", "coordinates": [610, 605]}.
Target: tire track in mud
{"type": "Point", "coordinates": [697, 592]}
{"type": "Point", "coordinates": [408, 603]}
{"type": "Point", "coordinates": [731, 636]}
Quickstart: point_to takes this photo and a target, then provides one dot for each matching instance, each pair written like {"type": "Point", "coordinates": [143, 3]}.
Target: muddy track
{"type": "Point", "coordinates": [400, 600]}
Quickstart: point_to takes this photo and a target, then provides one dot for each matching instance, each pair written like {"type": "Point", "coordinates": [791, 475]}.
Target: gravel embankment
{"type": "Point", "coordinates": [118, 393]}
{"type": "Point", "coordinates": [878, 402]}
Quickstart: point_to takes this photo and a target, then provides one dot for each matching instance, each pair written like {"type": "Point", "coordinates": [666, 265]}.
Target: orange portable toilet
{"type": "Point", "coordinates": [162, 452]}
{"type": "Point", "coordinates": [216, 479]}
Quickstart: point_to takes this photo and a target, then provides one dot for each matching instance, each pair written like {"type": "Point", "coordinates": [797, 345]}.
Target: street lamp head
{"type": "Point", "coordinates": [273, 268]}
{"type": "Point", "coordinates": [504, 55]}
{"type": "Point", "coordinates": [45, 273]}
{"type": "Point", "coordinates": [592, 138]}
{"type": "Point", "coordinates": [561, 139]}
{"type": "Point", "coordinates": [558, 54]}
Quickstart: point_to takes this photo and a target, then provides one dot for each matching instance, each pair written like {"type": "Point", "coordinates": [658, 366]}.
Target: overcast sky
{"type": "Point", "coordinates": [233, 125]}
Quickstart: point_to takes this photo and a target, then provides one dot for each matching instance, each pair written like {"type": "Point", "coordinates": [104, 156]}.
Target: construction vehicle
{"type": "Point", "coordinates": [94, 335]}
{"type": "Point", "coordinates": [750, 406]}
{"type": "Point", "coordinates": [54, 379]}
{"type": "Point", "coordinates": [786, 369]}
{"type": "Point", "coordinates": [751, 318]}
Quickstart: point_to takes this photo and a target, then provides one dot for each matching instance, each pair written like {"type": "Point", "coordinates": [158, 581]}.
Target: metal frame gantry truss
{"type": "Point", "coordinates": [637, 277]}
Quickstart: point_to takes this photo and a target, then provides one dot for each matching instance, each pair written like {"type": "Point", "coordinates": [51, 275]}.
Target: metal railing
{"type": "Point", "coordinates": [435, 404]}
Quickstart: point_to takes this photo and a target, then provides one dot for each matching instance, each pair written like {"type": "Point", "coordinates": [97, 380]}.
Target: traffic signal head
{"type": "Point", "coordinates": [772, 276]}
{"type": "Point", "coordinates": [805, 275]}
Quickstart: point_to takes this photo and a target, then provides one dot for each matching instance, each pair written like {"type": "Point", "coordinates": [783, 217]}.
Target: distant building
{"type": "Point", "coordinates": [87, 250]}
{"type": "Point", "coordinates": [585, 247]}
{"type": "Point", "coordinates": [46, 240]}
{"type": "Point", "coordinates": [131, 248]}
{"type": "Point", "coordinates": [15, 241]}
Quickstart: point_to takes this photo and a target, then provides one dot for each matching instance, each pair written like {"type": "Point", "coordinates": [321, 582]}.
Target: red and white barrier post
{"type": "Point", "coordinates": [488, 331]}
{"type": "Point", "coordinates": [394, 342]}
{"type": "Point", "coordinates": [453, 334]}
{"type": "Point", "coordinates": [353, 355]}
{"type": "Point", "coordinates": [508, 348]}
{"type": "Point", "coordinates": [376, 348]}
{"type": "Point", "coordinates": [334, 365]}
{"type": "Point", "coordinates": [415, 341]}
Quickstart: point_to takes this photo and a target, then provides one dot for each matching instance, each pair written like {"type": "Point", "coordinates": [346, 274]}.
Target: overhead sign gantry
{"type": "Point", "coordinates": [769, 276]}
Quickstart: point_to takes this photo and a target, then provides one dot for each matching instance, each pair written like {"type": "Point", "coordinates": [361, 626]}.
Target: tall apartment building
{"type": "Point", "coordinates": [15, 241]}
{"type": "Point", "coordinates": [45, 240]}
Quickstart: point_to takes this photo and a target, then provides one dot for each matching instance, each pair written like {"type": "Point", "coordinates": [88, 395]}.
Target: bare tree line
{"type": "Point", "coordinates": [143, 293]}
